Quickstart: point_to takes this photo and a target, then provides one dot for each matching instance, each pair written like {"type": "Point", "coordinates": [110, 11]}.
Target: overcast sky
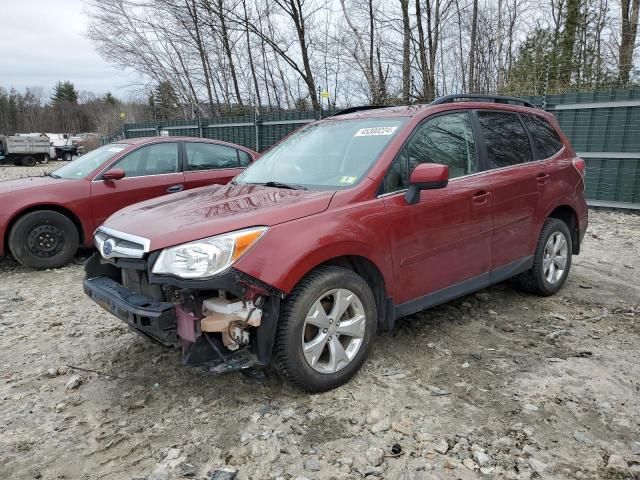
{"type": "Point", "coordinates": [43, 41]}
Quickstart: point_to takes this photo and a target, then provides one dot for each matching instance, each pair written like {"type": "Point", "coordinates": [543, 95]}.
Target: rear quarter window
{"type": "Point", "coordinates": [544, 136]}
{"type": "Point", "coordinates": [505, 138]}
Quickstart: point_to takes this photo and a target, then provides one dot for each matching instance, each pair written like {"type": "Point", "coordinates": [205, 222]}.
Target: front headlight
{"type": "Point", "coordinates": [208, 256]}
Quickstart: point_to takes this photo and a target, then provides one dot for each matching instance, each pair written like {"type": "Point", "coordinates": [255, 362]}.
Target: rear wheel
{"type": "Point", "coordinates": [552, 260]}
{"type": "Point", "coordinates": [28, 161]}
{"type": "Point", "coordinates": [66, 156]}
{"type": "Point", "coordinates": [44, 159]}
{"type": "Point", "coordinates": [43, 239]}
{"type": "Point", "coordinates": [325, 329]}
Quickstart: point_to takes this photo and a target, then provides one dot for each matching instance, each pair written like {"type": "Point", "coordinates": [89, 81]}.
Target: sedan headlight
{"type": "Point", "coordinates": [208, 256]}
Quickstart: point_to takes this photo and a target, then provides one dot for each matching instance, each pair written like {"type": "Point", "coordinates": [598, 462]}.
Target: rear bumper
{"type": "Point", "coordinates": [150, 318]}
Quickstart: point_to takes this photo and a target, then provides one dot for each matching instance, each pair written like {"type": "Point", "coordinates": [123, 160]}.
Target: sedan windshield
{"type": "Point", "coordinates": [335, 153]}
{"type": "Point", "coordinates": [86, 164]}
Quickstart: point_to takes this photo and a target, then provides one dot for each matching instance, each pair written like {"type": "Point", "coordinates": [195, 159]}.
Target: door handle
{"type": "Point", "coordinates": [175, 188]}
{"type": "Point", "coordinates": [542, 178]}
{"type": "Point", "coordinates": [481, 197]}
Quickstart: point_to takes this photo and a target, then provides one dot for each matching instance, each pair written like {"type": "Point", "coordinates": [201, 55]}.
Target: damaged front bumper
{"type": "Point", "coordinates": [215, 322]}
{"type": "Point", "coordinates": [150, 318]}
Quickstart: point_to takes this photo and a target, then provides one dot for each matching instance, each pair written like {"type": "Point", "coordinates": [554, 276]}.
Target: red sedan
{"type": "Point", "coordinates": [43, 220]}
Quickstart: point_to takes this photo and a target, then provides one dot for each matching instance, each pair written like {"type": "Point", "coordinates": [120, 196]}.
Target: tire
{"type": "Point", "coordinates": [43, 239]}
{"type": "Point", "coordinates": [294, 331]}
{"type": "Point", "coordinates": [45, 159]}
{"type": "Point", "coordinates": [28, 161]}
{"type": "Point", "coordinates": [536, 280]}
{"type": "Point", "coordinates": [67, 156]}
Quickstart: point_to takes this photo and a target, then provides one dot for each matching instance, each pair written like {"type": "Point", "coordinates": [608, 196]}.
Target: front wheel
{"type": "Point", "coordinates": [552, 260]}
{"type": "Point", "coordinates": [67, 157]}
{"type": "Point", "coordinates": [325, 329]}
{"type": "Point", "coordinates": [43, 239]}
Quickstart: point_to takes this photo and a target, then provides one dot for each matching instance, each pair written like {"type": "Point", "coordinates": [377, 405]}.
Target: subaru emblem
{"type": "Point", "coordinates": [107, 248]}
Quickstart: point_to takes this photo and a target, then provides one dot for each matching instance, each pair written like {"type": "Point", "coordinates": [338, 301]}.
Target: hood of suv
{"type": "Point", "coordinates": [207, 211]}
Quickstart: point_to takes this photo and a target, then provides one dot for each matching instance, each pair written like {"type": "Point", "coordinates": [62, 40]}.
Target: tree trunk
{"type": "Point", "coordinates": [364, 59]}
{"type": "Point", "coordinates": [500, 48]}
{"type": "Point", "coordinates": [422, 54]}
{"type": "Point", "coordinates": [472, 48]}
{"type": "Point", "coordinates": [406, 65]}
{"type": "Point", "coordinates": [629, 30]}
{"type": "Point", "coordinates": [433, 34]}
{"type": "Point", "coordinates": [568, 42]}
{"type": "Point", "coordinates": [193, 12]}
{"type": "Point", "coordinates": [227, 49]}
{"type": "Point", "coordinates": [293, 8]}
{"type": "Point", "coordinates": [251, 62]}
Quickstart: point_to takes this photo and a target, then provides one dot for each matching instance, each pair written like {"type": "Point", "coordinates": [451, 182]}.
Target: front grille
{"type": "Point", "coordinates": [114, 244]}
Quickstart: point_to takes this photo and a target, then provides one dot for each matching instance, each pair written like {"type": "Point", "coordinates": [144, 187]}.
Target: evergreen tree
{"type": "Point", "coordinates": [165, 101]}
{"type": "Point", "coordinates": [64, 92]}
{"type": "Point", "coordinates": [109, 99]}
{"type": "Point", "coordinates": [529, 71]}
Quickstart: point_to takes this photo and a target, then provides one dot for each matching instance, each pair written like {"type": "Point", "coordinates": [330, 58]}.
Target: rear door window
{"type": "Point", "coordinates": [543, 135]}
{"type": "Point", "coordinates": [209, 156]}
{"type": "Point", "coordinates": [245, 158]}
{"type": "Point", "coordinates": [505, 138]}
{"type": "Point", "coordinates": [156, 159]}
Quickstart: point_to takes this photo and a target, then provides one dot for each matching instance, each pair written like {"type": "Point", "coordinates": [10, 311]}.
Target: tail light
{"type": "Point", "coordinates": [580, 165]}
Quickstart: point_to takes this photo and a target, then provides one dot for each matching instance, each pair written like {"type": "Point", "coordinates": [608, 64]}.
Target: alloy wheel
{"type": "Point", "coordinates": [333, 331]}
{"type": "Point", "coordinates": [555, 257]}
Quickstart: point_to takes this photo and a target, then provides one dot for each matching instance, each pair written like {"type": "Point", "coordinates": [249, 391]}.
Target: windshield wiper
{"type": "Point", "coordinates": [52, 175]}
{"type": "Point", "coordinates": [290, 186]}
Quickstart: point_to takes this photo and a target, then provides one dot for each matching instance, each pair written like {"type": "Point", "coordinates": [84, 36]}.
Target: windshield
{"type": "Point", "coordinates": [87, 163]}
{"type": "Point", "coordinates": [333, 153]}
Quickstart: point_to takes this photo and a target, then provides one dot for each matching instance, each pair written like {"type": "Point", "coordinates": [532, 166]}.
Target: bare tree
{"type": "Point", "coordinates": [472, 48]}
{"type": "Point", "coordinates": [629, 30]}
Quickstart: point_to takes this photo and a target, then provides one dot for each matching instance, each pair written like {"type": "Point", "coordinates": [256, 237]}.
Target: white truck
{"type": "Point", "coordinates": [24, 149]}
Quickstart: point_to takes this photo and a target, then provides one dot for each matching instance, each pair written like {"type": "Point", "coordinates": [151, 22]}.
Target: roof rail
{"type": "Point", "coordinates": [345, 111]}
{"type": "Point", "coordinates": [479, 96]}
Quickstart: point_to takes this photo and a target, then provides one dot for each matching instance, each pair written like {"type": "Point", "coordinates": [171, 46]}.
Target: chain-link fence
{"type": "Point", "coordinates": [603, 126]}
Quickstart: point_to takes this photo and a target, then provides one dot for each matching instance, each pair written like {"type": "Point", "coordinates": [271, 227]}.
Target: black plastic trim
{"type": "Point", "coordinates": [266, 333]}
{"type": "Point", "coordinates": [361, 108]}
{"type": "Point", "coordinates": [152, 319]}
{"type": "Point", "coordinates": [478, 96]}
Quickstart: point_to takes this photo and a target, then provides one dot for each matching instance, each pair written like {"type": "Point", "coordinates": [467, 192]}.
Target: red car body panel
{"type": "Point", "coordinates": [212, 210]}
{"type": "Point", "coordinates": [90, 201]}
{"type": "Point", "coordinates": [448, 237]}
{"type": "Point", "coordinates": [473, 226]}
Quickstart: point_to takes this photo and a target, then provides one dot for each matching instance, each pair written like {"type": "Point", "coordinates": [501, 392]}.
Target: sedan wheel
{"type": "Point", "coordinates": [43, 239]}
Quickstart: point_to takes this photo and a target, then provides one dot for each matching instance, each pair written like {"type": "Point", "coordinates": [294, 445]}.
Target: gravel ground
{"type": "Point", "coordinates": [494, 385]}
{"type": "Point", "coordinates": [9, 172]}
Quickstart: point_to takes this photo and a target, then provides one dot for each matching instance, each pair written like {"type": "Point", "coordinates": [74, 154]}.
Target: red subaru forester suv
{"type": "Point", "coordinates": [342, 228]}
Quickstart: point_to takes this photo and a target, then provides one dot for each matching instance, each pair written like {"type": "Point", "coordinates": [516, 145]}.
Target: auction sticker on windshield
{"type": "Point", "coordinates": [347, 180]}
{"type": "Point", "coordinates": [373, 131]}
